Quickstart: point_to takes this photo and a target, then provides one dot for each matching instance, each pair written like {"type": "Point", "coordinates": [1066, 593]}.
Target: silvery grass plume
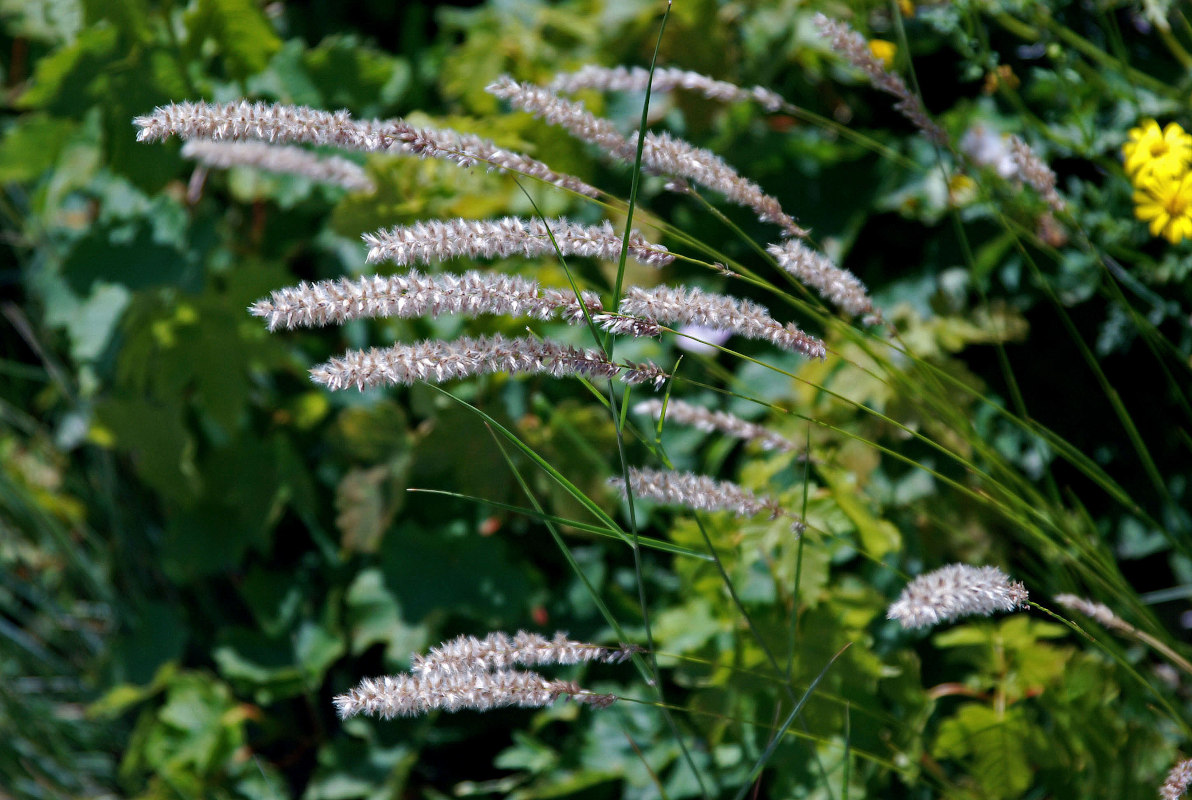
{"type": "Point", "coordinates": [437, 361]}
{"type": "Point", "coordinates": [471, 673]}
{"type": "Point", "coordinates": [1178, 781]}
{"type": "Point", "coordinates": [1097, 612]}
{"type": "Point", "coordinates": [661, 154]}
{"type": "Point", "coordinates": [476, 690]}
{"type": "Point", "coordinates": [701, 493]}
{"type": "Point", "coordinates": [666, 305]}
{"type": "Point", "coordinates": [414, 294]}
{"type": "Point", "coordinates": [278, 123]}
{"type": "Point", "coordinates": [683, 413]}
{"type": "Point", "coordinates": [1033, 171]}
{"type": "Point", "coordinates": [281, 159]}
{"type": "Point", "coordinates": [666, 79]}
{"type": "Point", "coordinates": [957, 590]}
{"type": "Point", "coordinates": [816, 270]}
{"type": "Point", "coordinates": [467, 149]}
{"type": "Point", "coordinates": [265, 122]}
{"type": "Point", "coordinates": [502, 651]}
{"type": "Point", "coordinates": [1106, 618]}
{"type": "Point", "coordinates": [441, 240]}
{"type": "Point", "coordinates": [852, 45]}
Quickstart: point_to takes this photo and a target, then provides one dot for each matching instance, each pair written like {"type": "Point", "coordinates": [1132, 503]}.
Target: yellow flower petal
{"type": "Point", "coordinates": [883, 51]}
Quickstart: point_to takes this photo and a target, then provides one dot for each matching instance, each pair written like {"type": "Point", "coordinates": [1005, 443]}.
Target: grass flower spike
{"type": "Point", "coordinates": [417, 295]}
{"type": "Point", "coordinates": [662, 153]}
{"type": "Point", "coordinates": [442, 240]}
{"type": "Point", "coordinates": [683, 413]}
{"type": "Point", "coordinates": [852, 45]}
{"type": "Point", "coordinates": [1099, 612]}
{"type": "Point", "coordinates": [666, 79]}
{"type": "Point", "coordinates": [1178, 781]}
{"type": "Point", "coordinates": [285, 124]}
{"type": "Point", "coordinates": [817, 271]}
{"type": "Point", "coordinates": [437, 361]}
{"type": "Point", "coordinates": [281, 159]}
{"type": "Point", "coordinates": [701, 493]}
{"type": "Point", "coordinates": [667, 305]}
{"type": "Point", "coordinates": [956, 590]}
{"type": "Point", "coordinates": [502, 651]}
{"type": "Point", "coordinates": [472, 674]}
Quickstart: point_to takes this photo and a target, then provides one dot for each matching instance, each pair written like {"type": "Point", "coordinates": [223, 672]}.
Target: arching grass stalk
{"type": "Point", "coordinates": [648, 669]}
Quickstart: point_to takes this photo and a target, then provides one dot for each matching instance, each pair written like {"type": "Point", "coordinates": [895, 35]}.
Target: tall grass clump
{"type": "Point", "coordinates": [759, 671]}
{"type": "Point", "coordinates": [819, 433]}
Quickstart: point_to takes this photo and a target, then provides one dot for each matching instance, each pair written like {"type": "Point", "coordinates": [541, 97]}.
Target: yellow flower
{"type": "Point", "coordinates": [1165, 201]}
{"type": "Point", "coordinates": [1149, 149]}
{"type": "Point", "coordinates": [883, 51]}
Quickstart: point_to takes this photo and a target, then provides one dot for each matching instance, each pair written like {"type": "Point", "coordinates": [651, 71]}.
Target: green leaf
{"type": "Point", "coordinates": [283, 667]}
{"type": "Point", "coordinates": [62, 81]}
{"type": "Point", "coordinates": [373, 616]}
{"type": "Point", "coordinates": [131, 17]}
{"type": "Point", "coordinates": [130, 258]}
{"type": "Point", "coordinates": [348, 74]}
{"type": "Point", "coordinates": [152, 77]}
{"type": "Point", "coordinates": [123, 696]}
{"type": "Point", "coordinates": [431, 570]}
{"type": "Point", "coordinates": [195, 732]}
{"type": "Point", "coordinates": [527, 754]}
{"type": "Point", "coordinates": [89, 324]}
{"type": "Point", "coordinates": [31, 146]}
{"type": "Point", "coordinates": [878, 536]}
{"type": "Point", "coordinates": [242, 495]}
{"type": "Point", "coordinates": [242, 35]}
{"type": "Point", "coordinates": [153, 436]}
{"type": "Point", "coordinates": [996, 745]}
{"type": "Point", "coordinates": [686, 628]}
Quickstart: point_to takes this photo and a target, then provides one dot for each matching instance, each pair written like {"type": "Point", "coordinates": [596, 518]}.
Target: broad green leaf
{"type": "Point", "coordinates": [348, 74]}
{"type": "Point", "coordinates": [131, 17]}
{"type": "Point", "coordinates": [527, 754]}
{"type": "Point", "coordinates": [363, 510]}
{"type": "Point", "coordinates": [31, 146]}
{"type": "Point", "coordinates": [243, 36]}
{"type": "Point", "coordinates": [686, 628]}
{"type": "Point", "coordinates": [136, 87]}
{"type": "Point", "coordinates": [431, 569]}
{"type": "Point", "coordinates": [62, 81]}
{"type": "Point", "coordinates": [373, 616]}
{"type": "Point", "coordinates": [130, 258]}
{"type": "Point", "coordinates": [995, 745]}
{"type": "Point", "coordinates": [91, 323]}
{"type": "Point", "coordinates": [119, 698]}
{"type": "Point", "coordinates": [153, 436]}
{"type": "Point", "coordinates": [274, 597]}
{"type": "Point", "coordinates": [242, 496]}
{"type": "Point", "coordinates": [194, 731]}
{"type": "Point", "coordinates": [877, 536]}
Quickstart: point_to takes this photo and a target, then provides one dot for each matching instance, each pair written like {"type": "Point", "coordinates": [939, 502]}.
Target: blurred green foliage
{"type": "Point", "coordinates": [199, 549]}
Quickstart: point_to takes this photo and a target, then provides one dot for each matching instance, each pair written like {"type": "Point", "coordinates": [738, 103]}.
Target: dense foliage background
{"type": "Point", "coordinates": [200, 547]}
